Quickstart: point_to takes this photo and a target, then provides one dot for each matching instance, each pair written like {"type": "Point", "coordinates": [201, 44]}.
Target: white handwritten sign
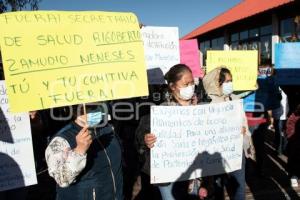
{"type": "Point", "coordinates": [17, 167]}
{"type": "Point", "coordinates": [161, 45]}
{"type": "Point", "coordinates": [196, 141]}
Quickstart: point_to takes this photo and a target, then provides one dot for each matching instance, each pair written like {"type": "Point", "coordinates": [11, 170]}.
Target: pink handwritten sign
{"type": "Point", "coordinates": [189, 55]}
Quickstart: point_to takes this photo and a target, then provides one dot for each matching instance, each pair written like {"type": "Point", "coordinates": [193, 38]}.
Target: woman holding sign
{"type": "Point", "coordinates": [84, 157]}
{"type": "Point", "coordinates": [181, 93]}
{"type": "Point", "coordinates": [219, 87]}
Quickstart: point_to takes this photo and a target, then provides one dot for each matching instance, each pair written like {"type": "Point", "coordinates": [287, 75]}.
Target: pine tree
{"type": "Point", "coordinates": [17, 5]}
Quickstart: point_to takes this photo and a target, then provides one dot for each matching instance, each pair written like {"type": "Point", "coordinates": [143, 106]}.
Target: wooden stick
{"type": "Point", "coordinates": [84, 114]}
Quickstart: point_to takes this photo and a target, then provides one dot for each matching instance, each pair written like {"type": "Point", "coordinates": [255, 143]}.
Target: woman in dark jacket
{"type": "Point", "coordinates": [181, 93]}
{"type": "Point", "coordinates": [84, 158]}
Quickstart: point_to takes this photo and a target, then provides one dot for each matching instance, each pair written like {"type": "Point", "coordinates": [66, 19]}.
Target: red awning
{"type": "Point", "coordinates": [246, 8]}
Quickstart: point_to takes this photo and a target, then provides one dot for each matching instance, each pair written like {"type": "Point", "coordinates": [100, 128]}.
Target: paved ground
{"type": "Point", "coordinates": [274, 185]}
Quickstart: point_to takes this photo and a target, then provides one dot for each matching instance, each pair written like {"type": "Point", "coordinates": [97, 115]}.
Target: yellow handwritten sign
{"type": "Point", "coordinates": [242, 64]}
{"type": "Point", "coordinates": [58, 58]}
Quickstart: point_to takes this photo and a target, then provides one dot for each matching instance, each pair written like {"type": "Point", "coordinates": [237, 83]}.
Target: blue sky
{"type": "Point", "coordinates": [185, 14]}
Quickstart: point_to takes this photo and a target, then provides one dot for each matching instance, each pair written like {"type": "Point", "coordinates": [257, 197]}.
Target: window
{"type": "Point", "coordinates": [266, 30]}
{"type": "Point", "coordinates": [289, 30]}
{"type": "Point", "coordinates": [214, 43]}
{"type": "Point", "coordinates": [253, 33]}
{"type": "Point", "coordinates": [218, 43]}
{"type": "Point", "coordinates": [266, 49]}
{"type": "Point", "coordinates": [297, 23]}
{"type": "Point", "coordinates": [234, 37]}
{"type": "Point", "coordinates": [243, 46]}
{"type": "Point", "coordinates": [204, 46]}
{"type": "Point", "coordinates": [253, 45]}
{"type": "Point", "coordinates": [286, 27]}
{"type": "Point", "coordinates": [234, 46]}
{"type": "Point", "coordinates": [207, 45]}
{"type": "Point", "coordinates": [244, 35]}
{"type": "Point", "coordinates": [221, 42]}
{"type": "Point", "coordinates": [257, 38]}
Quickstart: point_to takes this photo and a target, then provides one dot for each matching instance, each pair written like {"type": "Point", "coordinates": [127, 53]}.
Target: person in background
{"type": "Point", "coordinates": [18, 193]}
{"type": "Point", "coordinates": [293, 146]}
{"type": "Point", "coordinates": [260, 117]}
{"type": "Point", "coordinates": [219, 87]}
{"type": "Point", "coordinates": [181, 91]}
{"type": "Point", "coordinates": [258, 126]}
{"type": "Point", "coordinates": [273, 99]}
{"type": "Point", "coordinates": [45, 189]}
{"type": "Point", "coordinates": [280, 116]}
{"type": "Point", "coordinates": [157, 95]}
{"type": "Point", "coordinates": [39, 141]}
{"type": "Point", "coordinates": [125, 124]}
{"type": "Point", "coordinates": [126, 117]}
{"type": "Point", "coordinates": [84, 157]}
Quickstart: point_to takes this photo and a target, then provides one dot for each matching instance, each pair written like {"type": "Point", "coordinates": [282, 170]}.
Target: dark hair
{"type": "Point", "coordinates": [79, 109]}
{"type": "Point", "coordinates": [223, 73]}
{"type": "Point", "coordinates": [175, 73]}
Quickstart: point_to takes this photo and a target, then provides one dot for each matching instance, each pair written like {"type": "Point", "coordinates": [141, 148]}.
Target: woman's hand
{"type": "Point", "coordinates": [244, 130]}
{"type": "Point", "coordinates": [33, 114]}
{"type": "Point", "coordinates": [202, 193]}
{"type": "Point", "coordinates": [150, 139]}
{"type": "Point", "coordinates": [256, 86]}
{"type": "Point", "coordinates": [83, 140]}
{"type": "Point", "coordinates": [195, 100]}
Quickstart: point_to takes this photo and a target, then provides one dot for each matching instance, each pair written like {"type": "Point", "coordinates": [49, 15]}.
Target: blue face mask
{"type": "Point", "coordinates": [94, 118]}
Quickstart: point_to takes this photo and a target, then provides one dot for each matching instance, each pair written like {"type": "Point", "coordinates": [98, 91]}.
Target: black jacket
{"type": "Point", "coordinates": [142, 149]}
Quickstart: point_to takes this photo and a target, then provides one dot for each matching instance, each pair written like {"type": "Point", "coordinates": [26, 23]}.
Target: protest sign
{"type": "Point", "coordinates": [189, 55]}
{"type": "Point", "coordinates": [17, 167]}
{"type": "Point", "coordinates": [161, 46]}
{"type": "Point", "coordinates": [287, 55]}
{"type": "Point", "coordinates": [242, 64]}
{"type": "Point", "coordinates": [58, 58]}
{"type": "Point", "coordinates": [196, 141]}
{"type": "Point", "coordinates": [287, 63]}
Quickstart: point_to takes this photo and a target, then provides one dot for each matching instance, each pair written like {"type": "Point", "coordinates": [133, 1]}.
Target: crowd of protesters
{"type": "Point", "coordinates": [99, 150]}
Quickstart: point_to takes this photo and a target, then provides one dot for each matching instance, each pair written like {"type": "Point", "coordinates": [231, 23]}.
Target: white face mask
{"type": "Point", "coordinates": [227, 88]}
{"type": "Point", "coordinates": [187, 93]}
